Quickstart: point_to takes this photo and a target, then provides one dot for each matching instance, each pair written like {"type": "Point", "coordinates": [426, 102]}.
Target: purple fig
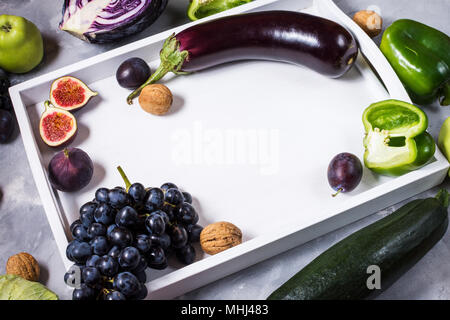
{"type": "Point", "coordinates": [70, 170]}
{"type": "Point", "coordinates": [344, 172]}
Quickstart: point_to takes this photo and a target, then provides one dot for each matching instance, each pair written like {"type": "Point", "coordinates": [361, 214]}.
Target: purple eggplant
{"type": "Point", "coordinates": [293, 37]}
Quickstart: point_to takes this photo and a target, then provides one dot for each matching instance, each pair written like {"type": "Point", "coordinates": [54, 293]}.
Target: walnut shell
{"type": "Point", "coordinates": [369, 21]}
{"type": "Point", "coordinates": [220, 236]}
{"type": "Point", "coordinates": [24, 265]}
{"type": "Point", "coordinates": [156, 99]}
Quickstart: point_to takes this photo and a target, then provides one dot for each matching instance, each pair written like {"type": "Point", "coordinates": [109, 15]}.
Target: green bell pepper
{"type": "Point", "coordinates": [202, 8]}
{"type": "Point", "coordinates": [420, 55]}
{"type": "Point", "coordinates": [396, 141]}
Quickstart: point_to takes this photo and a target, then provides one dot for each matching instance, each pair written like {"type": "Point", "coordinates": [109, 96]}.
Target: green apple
{"type": "Point", "coordinates": [444, 139]}
{"type": "Point", "coordinates": [21, 45]}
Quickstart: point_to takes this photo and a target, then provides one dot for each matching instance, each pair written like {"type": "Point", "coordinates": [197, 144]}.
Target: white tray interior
{"type": "Point", "coordinates": [251, 141]}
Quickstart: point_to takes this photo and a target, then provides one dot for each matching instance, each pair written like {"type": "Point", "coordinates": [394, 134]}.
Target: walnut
{"type": "Point", "coordinates": [369, 21]}
{"type": "Point", "coordinates": [220, 236]}
{"type": "Point", "coordinates": [156, 99]}
{"type": "Point", "coordinates": [24, 265]}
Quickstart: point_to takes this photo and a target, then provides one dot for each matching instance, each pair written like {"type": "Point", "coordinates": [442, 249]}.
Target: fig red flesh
{"type": "Point", "coordinates": [56, 126]}
{"type": "Point", "coordinates": [68, 93]}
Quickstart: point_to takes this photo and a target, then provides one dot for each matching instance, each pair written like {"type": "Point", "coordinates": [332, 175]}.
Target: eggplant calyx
{"type": "Point", "coordinates": [172, 59]}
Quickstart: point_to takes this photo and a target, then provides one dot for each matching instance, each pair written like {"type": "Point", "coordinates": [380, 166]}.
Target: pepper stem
{"type": "Point", "coordinates": [338, 191]}
{"type": "Point", "coordinates": [172, 60]}
{"type": "Point", "coordinates": [124, 177]}
{"type": "Point", "coordinates": [445, 94]}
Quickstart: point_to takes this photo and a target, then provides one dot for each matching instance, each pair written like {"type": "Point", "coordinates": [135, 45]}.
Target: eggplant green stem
{"type": "Point", "coordinates": [172, 60]}
{"type": "Point", "coordinates": [124, 177]}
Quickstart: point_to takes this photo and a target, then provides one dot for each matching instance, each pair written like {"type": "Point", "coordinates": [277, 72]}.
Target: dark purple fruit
{"type": "Point", "coordinates": [162, 240]}
{"type": "Point", "coordinates": [187, 214]}
{"type": "Point", "coordinates": [74, 224]}
{"type": "Point", "coordinates": [84, 293]}
{"type": "Point", "coordinates": [194, 232]}
{"type": "Point", "coordinates": [80, 233]}
{"type": "Point", "coordinates": [344, 172]}
{"type": "Point", "coordinates": [187, 197]}
{"type": "Point", "coordinates": [96, 229]}
{"type": "Point", "coordinates": [153, 199]}
{"type": "Point", "coordinates": [4, 82]}
{"type": "Point", "coordinates": [127, 217]}
{"type": "Point", "coordinates": [127, 283]}
{"type": "Point", "coordinates": [137, 192]}
{"type": "Point", "coordinates": [101, 195]}
{"type": "Point", "coordinates": [121, 237]}
{"type": "Point", "coordinates": [129, 258]}
{"type": "Point", "coordinates": [178, 236]}
{"type": "Point", "coordinates": [156, 258]}
{"type": "Point", "coordinates": [6, 125]}
{"type": "Point", "coordinates": [132, 73]}
{"type": "Point", "coordinates": [108, 266]}
{"type": "Point", "coordinates": [174, 197]}
{"type": "Point", "coordinates": [186, 254]}
{"type": "Point", "coordinates": [87, 211]}
{"type": "Point", "coordinates": [168, 185]}
{"type": "Point", "coordinates": [143, 242]}
{"type": "Point", "coordinates": [114, 252]}
{"type": "Point", "coordinates": [70, 170]}
{"type": "Point", "coordinates": [5, 103]}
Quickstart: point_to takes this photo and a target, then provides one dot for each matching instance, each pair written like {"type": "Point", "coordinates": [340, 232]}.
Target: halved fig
{"type": "Point", "coordinates": [70, 93]}
{"type": "Point", "coordinates": [57, 126]}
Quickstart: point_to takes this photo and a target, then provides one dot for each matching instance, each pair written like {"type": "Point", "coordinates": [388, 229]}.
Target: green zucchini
{"type": "Point", "coordinates": [393, 243]}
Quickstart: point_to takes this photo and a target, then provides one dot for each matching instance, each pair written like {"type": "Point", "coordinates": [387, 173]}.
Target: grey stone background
{"type": "Point", "coordinates": [23, 224]}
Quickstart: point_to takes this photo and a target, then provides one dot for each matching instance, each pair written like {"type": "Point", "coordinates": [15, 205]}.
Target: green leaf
{"type": "Point", "coordinates": [13, 287]}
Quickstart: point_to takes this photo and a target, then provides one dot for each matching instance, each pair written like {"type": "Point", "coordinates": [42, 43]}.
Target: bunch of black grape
{"type": "Point", "coordinates": [125, 230]}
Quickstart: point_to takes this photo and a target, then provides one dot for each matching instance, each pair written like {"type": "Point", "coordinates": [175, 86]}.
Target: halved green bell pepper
{"type": "Point", "coordinates": [202, 8]}
{"type": "Point", "coordinates": [420, 55]}
{"type": "Point", "coordinates": [396, 141]}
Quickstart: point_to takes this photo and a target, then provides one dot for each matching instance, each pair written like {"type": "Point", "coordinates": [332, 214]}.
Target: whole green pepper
{"type": "Point", "coordinates": [396, 141]}
{"type": "Point", "coordinates": [202, 8]}
{"type": "Point", "coordinates": [420, 55]}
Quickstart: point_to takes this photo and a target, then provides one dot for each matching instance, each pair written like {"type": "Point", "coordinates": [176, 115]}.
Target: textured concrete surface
{"type": "Point", "coordinates": [23, 224]}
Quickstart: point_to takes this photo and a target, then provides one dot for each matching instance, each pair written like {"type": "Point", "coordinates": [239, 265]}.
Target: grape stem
{"type": "Point", "coordinates": [338, 191]}
{"type": "Point", "coordinates": [124, 177]}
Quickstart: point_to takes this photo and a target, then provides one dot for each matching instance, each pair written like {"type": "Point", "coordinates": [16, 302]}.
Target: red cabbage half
{"type": "Point", "coordinates": [100, 21]}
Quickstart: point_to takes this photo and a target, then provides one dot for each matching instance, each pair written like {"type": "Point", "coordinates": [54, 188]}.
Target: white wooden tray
{"type": "Point", "coordinates": [250, 140]}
